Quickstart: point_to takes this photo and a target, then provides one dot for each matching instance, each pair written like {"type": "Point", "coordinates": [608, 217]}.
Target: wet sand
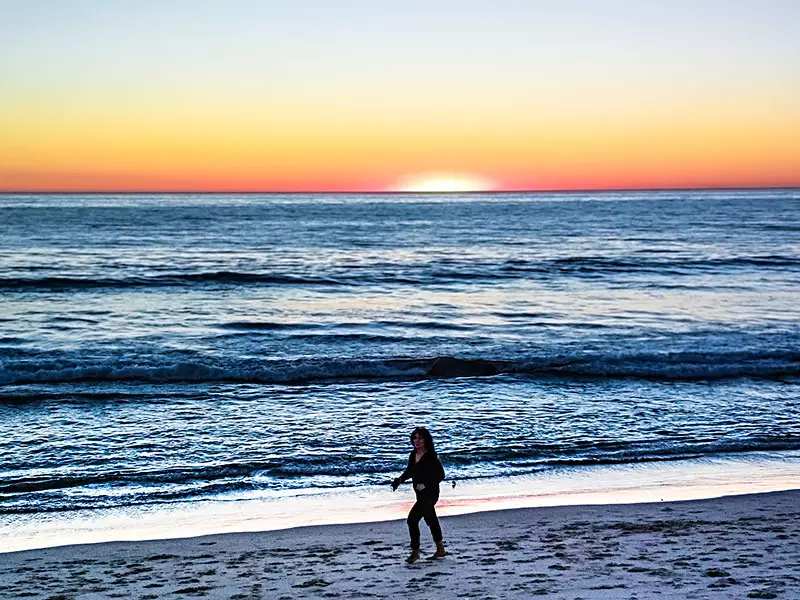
{"type": "Point", "coordinates": [733, 547]}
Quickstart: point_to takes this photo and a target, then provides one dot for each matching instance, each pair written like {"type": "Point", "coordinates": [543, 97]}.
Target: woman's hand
{"type": "Point", "coordinates": [419, 487]}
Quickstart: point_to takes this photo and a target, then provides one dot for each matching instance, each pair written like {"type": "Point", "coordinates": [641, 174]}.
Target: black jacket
{"type": "Point", "coordinates": [428, 470]}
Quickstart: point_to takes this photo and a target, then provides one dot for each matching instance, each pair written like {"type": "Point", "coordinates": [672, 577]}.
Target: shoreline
{"type": "Point", "coordinates": [745, 545]}
{"type": "Point", "coordinates": [608, 485]}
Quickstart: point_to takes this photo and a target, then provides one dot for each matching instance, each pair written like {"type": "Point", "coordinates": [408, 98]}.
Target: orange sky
{"type": "Point", "coordinates": [268, 99]}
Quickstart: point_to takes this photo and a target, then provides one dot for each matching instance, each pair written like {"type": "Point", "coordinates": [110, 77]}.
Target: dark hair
{"type": "Point", "coordinates": [426, 436]}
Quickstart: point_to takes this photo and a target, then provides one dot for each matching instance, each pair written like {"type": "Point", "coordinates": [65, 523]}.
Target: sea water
{"type": "Point", "coordinates": [160, 353]}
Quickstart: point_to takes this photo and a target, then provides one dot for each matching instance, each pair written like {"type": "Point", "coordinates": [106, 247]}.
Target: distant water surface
{"type": "Point", "coordinates": [168, 348]}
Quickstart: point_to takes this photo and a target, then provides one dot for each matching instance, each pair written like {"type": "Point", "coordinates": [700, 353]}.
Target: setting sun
{"type": "Point", "coordinates": [443, 182]}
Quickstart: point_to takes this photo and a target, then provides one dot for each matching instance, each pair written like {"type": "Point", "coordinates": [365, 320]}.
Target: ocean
{"type": "Point", "coordinates": [160, 351]}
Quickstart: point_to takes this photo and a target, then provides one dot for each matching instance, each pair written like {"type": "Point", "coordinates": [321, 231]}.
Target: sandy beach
{"type": "Point", "coordinates": [731, 547]}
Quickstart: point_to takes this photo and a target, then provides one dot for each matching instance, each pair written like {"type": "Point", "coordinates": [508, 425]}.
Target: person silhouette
{"type": "Point", "coordinates": [426, 472]}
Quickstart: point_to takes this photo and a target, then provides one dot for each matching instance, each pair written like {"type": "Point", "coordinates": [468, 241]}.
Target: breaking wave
{"type": "Point", "coordinates": [674, 366]}
{"type": "Point", "coordinates": [38, 494]}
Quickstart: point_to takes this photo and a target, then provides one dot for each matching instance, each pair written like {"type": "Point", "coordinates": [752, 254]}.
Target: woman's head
{"type": "Point", "coordinates": [421, 439]}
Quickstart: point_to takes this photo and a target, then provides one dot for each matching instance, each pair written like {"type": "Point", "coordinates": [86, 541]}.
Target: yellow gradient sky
{"type": "Point", "coordinates": [258, 96]}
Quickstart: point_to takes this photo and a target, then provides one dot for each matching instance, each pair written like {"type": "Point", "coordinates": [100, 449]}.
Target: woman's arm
{"type": "Point", "coordinates": [405, 474]}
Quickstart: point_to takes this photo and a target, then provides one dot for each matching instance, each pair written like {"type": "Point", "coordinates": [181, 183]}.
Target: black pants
{"type": "Point", "coordinates": [424, 509]}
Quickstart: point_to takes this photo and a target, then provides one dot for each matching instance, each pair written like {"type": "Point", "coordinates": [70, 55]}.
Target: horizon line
{"type": "Point", "coordinates": [397, 192]}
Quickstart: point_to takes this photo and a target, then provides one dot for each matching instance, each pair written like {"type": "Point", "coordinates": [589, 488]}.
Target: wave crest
{"type": "Point", "coordinates": [659, 262]}
{"type": "Point", "coordinates": [678, 366]}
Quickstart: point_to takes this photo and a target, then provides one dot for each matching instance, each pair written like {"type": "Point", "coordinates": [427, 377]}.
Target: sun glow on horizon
{"type": "Point", "coordinates": [443, 182]}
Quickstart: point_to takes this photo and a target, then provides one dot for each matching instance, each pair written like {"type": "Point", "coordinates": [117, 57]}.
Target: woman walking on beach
{"type": "Point", "coordinates": [425, 472]}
